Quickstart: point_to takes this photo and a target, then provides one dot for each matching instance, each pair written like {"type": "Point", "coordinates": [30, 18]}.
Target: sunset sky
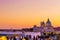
{"type": "Point", "coordinates": [26, 13]}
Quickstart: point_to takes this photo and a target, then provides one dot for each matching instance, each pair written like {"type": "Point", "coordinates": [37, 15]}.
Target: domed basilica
{"type": "Point", "coordinates": [44, 27]}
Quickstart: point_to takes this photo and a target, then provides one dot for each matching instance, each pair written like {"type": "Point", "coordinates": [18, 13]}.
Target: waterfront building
{"type": "Point", "coordinates": [44, 27]}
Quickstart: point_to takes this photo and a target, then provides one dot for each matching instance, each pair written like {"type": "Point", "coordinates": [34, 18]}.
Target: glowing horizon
{"type": "Point", "coordinates": [26, 13]}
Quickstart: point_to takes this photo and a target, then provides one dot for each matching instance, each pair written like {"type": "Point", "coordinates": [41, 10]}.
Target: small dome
{"type": "Point", "coordinates": [42, 23]}
{"type": "Point", "coordinates": [35, 26]}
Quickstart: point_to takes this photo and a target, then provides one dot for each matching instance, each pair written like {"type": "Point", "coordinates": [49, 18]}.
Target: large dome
{"type": "Point", "coordinates": [48, 23]}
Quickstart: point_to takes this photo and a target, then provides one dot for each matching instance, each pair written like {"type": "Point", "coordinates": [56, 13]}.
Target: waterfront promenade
{"type": "Point", "coordinates": [29, 35]}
